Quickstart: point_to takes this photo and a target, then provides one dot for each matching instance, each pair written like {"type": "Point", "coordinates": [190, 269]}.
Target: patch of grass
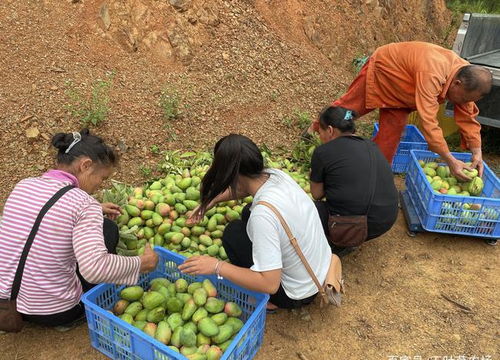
{"type": "Point", "coordinates": [364, 129]}
{"type": "Point", "coordinates": [146, 171]}
{"type": "Point", "coordinates": [474, 6]}
{"type": "Point", "coordinates": [93, 108]}
{"type": "Point", "coordinates": [300, 119]}
{"type": "Point", "coordinates": [155, 149]}
{"type": "Point", "coordinates": [170, 104]}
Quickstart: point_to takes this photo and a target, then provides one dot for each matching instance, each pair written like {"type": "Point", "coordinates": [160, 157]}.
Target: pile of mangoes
{"type": "Point", "coordinates": [158, 213]}
{"type": "Point", "coordinates": [458, 216]}
{"type": "Point", "coordinates": [442, 182]}
{"type": "Point", "coordinates": [189, 318]}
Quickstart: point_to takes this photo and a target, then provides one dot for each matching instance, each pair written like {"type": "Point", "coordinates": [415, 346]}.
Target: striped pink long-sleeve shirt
{"type": "Point", "coordinates": [70, 233]}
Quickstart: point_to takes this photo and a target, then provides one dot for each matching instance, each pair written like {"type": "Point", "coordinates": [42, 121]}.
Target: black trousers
{"type": "Point", "coordinates": [239, 251]}
{"type": "Point", "coordinates": [111, 237]}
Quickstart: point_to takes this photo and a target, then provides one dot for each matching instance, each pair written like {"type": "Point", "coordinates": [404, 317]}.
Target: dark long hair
{"type": "Point", "coordinates": [234, 155]}
{"type": "Point", "coordinates": [89, 145]}
{"type": "Point", "coordinates": [338, 117]}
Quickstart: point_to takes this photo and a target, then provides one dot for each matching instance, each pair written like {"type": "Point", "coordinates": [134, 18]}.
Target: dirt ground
{"type": "Point", "coordinates": [243, 66]}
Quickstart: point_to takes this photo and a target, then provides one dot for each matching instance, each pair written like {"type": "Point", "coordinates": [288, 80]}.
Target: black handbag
{"type": "Point", "coordinates": [10, 319]}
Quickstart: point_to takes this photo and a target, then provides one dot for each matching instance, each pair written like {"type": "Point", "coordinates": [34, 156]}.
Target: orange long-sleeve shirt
{"type": "Point", "coordinates": [417, 75]}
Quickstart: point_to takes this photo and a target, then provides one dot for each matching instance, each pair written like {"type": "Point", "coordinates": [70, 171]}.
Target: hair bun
{"type": "Point", "coordinates": [62, 141]}
{"type": "Point", "coordinates": [85, 132]}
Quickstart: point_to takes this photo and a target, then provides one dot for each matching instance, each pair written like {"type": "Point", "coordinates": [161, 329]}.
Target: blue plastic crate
{"type": "Point", "coordinates": [119, 340]}
{"type": "Point", "coordinates": [445, 213]}
{"type": "Point", "coordinates": [412, 139]}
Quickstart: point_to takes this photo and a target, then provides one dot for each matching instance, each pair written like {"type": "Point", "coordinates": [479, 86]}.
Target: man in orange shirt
{"type": "Point", "coordinates": [402, 77]}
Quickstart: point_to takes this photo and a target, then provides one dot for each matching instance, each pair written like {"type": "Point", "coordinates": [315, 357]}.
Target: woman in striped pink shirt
{"type": "Point", "coordinates": [74, 246]}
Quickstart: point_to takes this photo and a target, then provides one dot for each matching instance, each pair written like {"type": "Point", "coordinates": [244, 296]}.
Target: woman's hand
{"type": "Point", "coordinates": [111, 210]}
{"type": "Point", "coordinates": [199, 265]}
{"type": "Point", "coordinates": [149, 260]}
{"type": "Point", "coordinates": [196, 216]}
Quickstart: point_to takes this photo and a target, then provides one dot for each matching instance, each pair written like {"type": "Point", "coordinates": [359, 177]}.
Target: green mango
{"type": "Point", "coordinates": [476, 186]}
{"type": "Point", "coordinates": [158, 240]}
{"type": "Point", "coordinates": [153, 299]}
{"type": "Point", "coordinates": [195, 181]}
{"type": "Point", "coordinates": [175, 190]}
{"type": "Point", "coordinates": [123, 218]}
{"type": "Point", "coordinates": [208, 327]}
{"type": "Point", "coordinates": [132, 293]}
{"type": "Point", "coordinates": [132, 244]}
{"type": "Point", "coordinates": [202, 339]}
{"type": "Point", "coordinates": [187, 350]}
{"type": "Point", "coordinates": [199, 314]}
{"type": "Point", "coordinates": [214, 353]}
{"type": "Point", "coordinates": [175, 321]}
{"type": "Point", "coordinates": [225, 332]}
{"type": "Point", "coordinates": [163, 332]}
{"type": "Point", "coordinates": [180, 208]}
{"type": "Point", "coordinates": [127, 318]}
{"type": "Point", "coordinates": [157, 219]}
{"type": "Point", "coordinates": [175, 340]}
{"type": "Point", "coordinates": [148, 233]}
{"type": "Point", "coordinates": [170, 199]}
{"type": "Point", "coordinates": [147, 214]}
{"type": "Point", "coordinates": [174, 348]}
{"type": "Point", "coordinates": [221, 219]}
{"type": "Point", "coordinates": [188, 310]}
{"type": "Point", "coordinates": [236, 323]}
{"type": "Point", "coordinates": [213, 250]}
{"type": "Point", "coordinates": [192, 326]}
{"type": "Point", "coordinates": [232, 309]}
{"type": "Point", "coordinates": [217, 242]}
{"type": "Point", "coordinates": [197, 230]}
{"type": "Point", "coordinates": [140, 324]}
{"type": "Point", "coordinates": [200, 297]}
{"type": "Point", "coordinates": [177, 238]}
{"type": "Point", "coordinates": [225, 345]}
{"type": "Point", "coordinates": [155, 185]}
{"type": "Point", "coordinates": [205, 240]}
{"type": "Point", "coordinates": [150, 329]}
{"type": "Point", "coordinates": [156, 315]}
{"type": "Point", "coordinates": [164, 228]}
{"type": "Point", "coordinates": [184, 297]}
{"type": "Point", "coordinates": [121, 305]}
{"type": "Point", "coordinates": [214, 305]}
{"type": "Point", "coordinates": [187, 337]}
{"type": "Point", "coordinates": [186, 242]}
{"type": "Point", "coordinates": [222, 253]}
{"type": "Point", "coordinates": [217, 234]}
{"type": "Point", "coordinates": [142, 315]}
{"type": "Point", "coordinates": [210, 288]}
{"type": "Point", "coordinates": [132, 210]}
{"type": "Point", "coordinates": [192, 194]}
{"type": "Point", "coordinates": [181, 285]}
{"type": "Point", "coordinates": [219, 318]}
{"type": "Point", "coordinates": [429, 171]}
{"type": "Point", "coordinates": [190, 204]}
{"type": "Point", "coordinates": [174, 305]}
{"type": "Point", "coordinates": [135, 221]}
{"type": "Point", "coordinates": [232, 215]}
{"type": "Point", "coordinates": [443, 171]}
{"type": "Point", "coordinates": [184, 183]}
{"type": "Point", "coordinates": [134, 308]}
{"type": "Point", "coordinates": [212, 224]}
{"type": "Point", "coordinates": [196, 356]}
{"type": "Point", "coordinates": [209, 213]}
{"type": "Point", "coordinates": [193, 286]}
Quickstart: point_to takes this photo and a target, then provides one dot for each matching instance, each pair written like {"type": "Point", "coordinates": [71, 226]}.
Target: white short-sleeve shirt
{"type": "Point", "coordinates": [271, 248]}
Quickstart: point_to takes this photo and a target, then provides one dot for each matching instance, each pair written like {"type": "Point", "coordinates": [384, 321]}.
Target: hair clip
{"type": "Point", "coordinates": [348, 115]}
{"type": "Point", "coordinates": [77, 137]}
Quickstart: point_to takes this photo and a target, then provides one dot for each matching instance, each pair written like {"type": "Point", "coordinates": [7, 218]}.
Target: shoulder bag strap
{"type": "Point", "coordinates": [295, 245]}
{"type": "Point", "coordinates": [373, 175]}
{"type": "Point", "coordinates": [22, 261]}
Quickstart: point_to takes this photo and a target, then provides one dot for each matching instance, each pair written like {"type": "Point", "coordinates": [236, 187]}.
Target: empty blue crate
{"type": "Point", "coordinates": [412, 139]}
{"type": "Point", "coordinates": [119, 340]}
{"type": "Point", "coordinates": [477, 216]}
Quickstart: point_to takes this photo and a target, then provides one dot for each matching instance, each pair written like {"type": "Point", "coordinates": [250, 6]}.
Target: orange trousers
{"type": "Point", "coordinates": [392, 122]}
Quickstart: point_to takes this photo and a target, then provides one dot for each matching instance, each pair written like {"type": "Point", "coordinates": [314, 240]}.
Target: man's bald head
{"type": "Point", "coordinates": [470, 84]}
{"type": "Point", "coordinates": [475, 78]}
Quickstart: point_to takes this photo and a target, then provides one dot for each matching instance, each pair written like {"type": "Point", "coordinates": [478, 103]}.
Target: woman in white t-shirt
{"type": "Point", "coordinates": [262, 258]}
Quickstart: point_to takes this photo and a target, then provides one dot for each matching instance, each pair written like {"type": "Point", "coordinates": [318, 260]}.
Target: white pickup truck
{"type": "Point", "coordinates": [478, 41]}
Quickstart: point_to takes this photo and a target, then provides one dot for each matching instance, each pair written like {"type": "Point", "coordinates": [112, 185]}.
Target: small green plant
{"type": "Point", "coordinates": [474, 6]}
{"type": "Point", "coordinates": [170, 103]}
{"type": "Point", "coordinates": [274, 96]}
{"type": "Point", "coordinates": [146, 171]}
{"type": "Point", "coordinates": [300, 119]}
{"type": "Point", "coordinates": [91, 109]}
{"type": "Point", "coordinates": [155, 149]}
